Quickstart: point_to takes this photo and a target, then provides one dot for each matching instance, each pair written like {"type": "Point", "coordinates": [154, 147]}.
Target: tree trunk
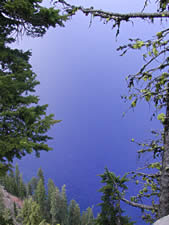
{"type": "Point", "coordinates": [164, 180]}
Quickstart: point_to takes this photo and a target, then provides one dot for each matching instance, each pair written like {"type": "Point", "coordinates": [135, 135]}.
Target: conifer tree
{"type": "Point", "coordinates": [51, 189]}
{"type": "Point", "coordinates": [22, 192]}
{"type": "Point", "coordinates": [40, 197]}
{"type": "Point", "coordinates": [64, 206]}
{"type": "Point", "coordinates": [41, 175]}
{"type": "Point", "coordinates": [17, 176]}
{"type": "Point", "coordinates": [23, 123]}
{"type": "Point", "coordinates": [74, 217]}
{"type": "Point", "coordinates": [33, 185]}
{"type": "Point", "coordinates": [29, 189]}
{"type": "Point", "coordinates": [113, 191]}
{"type": "Point", "coordinates": [30, 213]}
{"type": "Point", "coordinates": [54, 207]}
{"type": "Point", "coordinates": [87, 217]}
{"type": "Point", "coordinates": [22, 126]}
{"type": "Point", "coordinates": [8, 181]}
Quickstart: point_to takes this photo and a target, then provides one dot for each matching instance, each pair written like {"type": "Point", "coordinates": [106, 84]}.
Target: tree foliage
{"type": "Point", "coordinates": [87, 217]}
{"type": "Point", "coordinates": [113, 191]}
{"type": "Point", "coordinates": [23, 122]}
{"type": "Point", "coordinates": [44, 207]}
{"type": "Point", "coordinates": [73, 213]}
{"type": "Point", "coordinates": [30, 17]}
{"type": "Point", "coordinates": [30, 213]}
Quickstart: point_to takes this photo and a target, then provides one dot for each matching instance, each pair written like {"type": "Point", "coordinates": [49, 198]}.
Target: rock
{"type": "Point", "coordinates": [9, 201]}
{"type": "Point", "coordinates": [163, 221]}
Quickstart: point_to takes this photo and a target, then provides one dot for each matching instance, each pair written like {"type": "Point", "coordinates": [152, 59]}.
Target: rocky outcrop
{"type": "Point", "coordinates": [10, 202]}
{"type": "Point", "coordinates": [163, 221]}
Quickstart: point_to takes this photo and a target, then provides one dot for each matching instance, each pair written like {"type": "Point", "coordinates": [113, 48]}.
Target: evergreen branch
{"type": "Point", "coordinates": [111, 15]}
{"type": "Point", "coordinates": [138, 205]}
{"type": "Point", "coordinates": [155, 175]}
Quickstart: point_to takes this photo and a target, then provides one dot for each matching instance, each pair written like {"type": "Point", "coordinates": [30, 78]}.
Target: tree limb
{"type": "Point", "coordinates": [110, 15]}
{"type": "Point", "coordinates": [138, 205]}
{"type": "Point", "coordinates": [155, 175]}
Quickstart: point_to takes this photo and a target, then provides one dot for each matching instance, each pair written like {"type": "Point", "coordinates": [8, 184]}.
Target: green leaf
{"type": "Point", "coordinates": [155, 52]}
{"type": "Point", "coordinates": [133, 104]}
{"type": "Point", "coordinates": [148, 97]}
{"type": "Point", "coordinates": [137, 181]}
{"type": "Point", "coordinates": [161, 117]}
{"type": "Point", "coordinates": [159, 35]}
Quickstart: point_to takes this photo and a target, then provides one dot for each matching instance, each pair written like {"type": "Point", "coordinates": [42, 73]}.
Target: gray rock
{"type": "Point", "coordinates": [163, 221]}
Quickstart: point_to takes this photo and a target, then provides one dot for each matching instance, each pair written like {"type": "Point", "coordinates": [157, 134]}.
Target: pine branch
{"type": "Point", "coordinates": [155, 175]}
{"type": "Point", "coordinates": [71, 9]}
{"type": "Point", "coordinates": [138, 205]}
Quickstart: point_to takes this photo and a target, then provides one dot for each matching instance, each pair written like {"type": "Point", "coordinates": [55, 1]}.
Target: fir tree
{"type": "Point", "coordinates": [30, 213]}
{"type": "Point", "coordinates": [29, 189]}
{"type": "Point", "coordinates": [41, 175]}
{"type": "Point", "coordinates": [33, 185]}
{"type": "Point", "coordinates": [55, 207]}
{"type": "Point", "coordinates": [22, 192]}
{"type": "Point", "coordinates": [87, 217]}
{"type": "Point", "coordinates": [51, 189]}
{"type": "Point", "coordinates": [23, 123]}
{"type": "Point", "coordinates": [74, 217]}
{"type": "Point", "coordinates": [17, 179]}
{"type": "Point", "coordinates": [64, 206]}
{"type": "Point", "coordinates": [113, 191]}
{"type": "Point", "coordinates": [40, 197]}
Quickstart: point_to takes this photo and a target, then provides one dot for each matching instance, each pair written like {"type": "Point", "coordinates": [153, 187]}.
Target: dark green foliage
{"type": "Point", "coordinates": [15, 210]}
{"type": "Point", "coordinates": [31, 186]}
{"type": "Point", "coordinates": [23, 123]}
{"type": "Point", "coordinates": [14, 183]}
{"type": "Point", "coordinates": [40, 197]}
{"type": "Point", "coordinates": [40, 175]}
{"type": "Point", "coordinates": [6, 218]}
{"type": "Point", "coordinates": [49, 207]}
{"type": "Point", "coordinates": [28, 16]}
{"type": "Point", "coordinates": [113, 191]}
{"type": "Point", "coordinates": [58, 205]}
{"type": "Point", "coordinates": [4, 221]}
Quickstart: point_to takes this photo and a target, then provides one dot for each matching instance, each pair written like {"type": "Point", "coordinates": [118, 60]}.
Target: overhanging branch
{"type": "Point", "coordinates": [71, 9]}
{"type": "Point", "coordinates": [138, 205]}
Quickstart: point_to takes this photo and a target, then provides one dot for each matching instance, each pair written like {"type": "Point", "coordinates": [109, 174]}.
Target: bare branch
{"type": "Point", "coordinates": [110, 15]}
{"type": "Point", "coordinates": [138, 205]}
